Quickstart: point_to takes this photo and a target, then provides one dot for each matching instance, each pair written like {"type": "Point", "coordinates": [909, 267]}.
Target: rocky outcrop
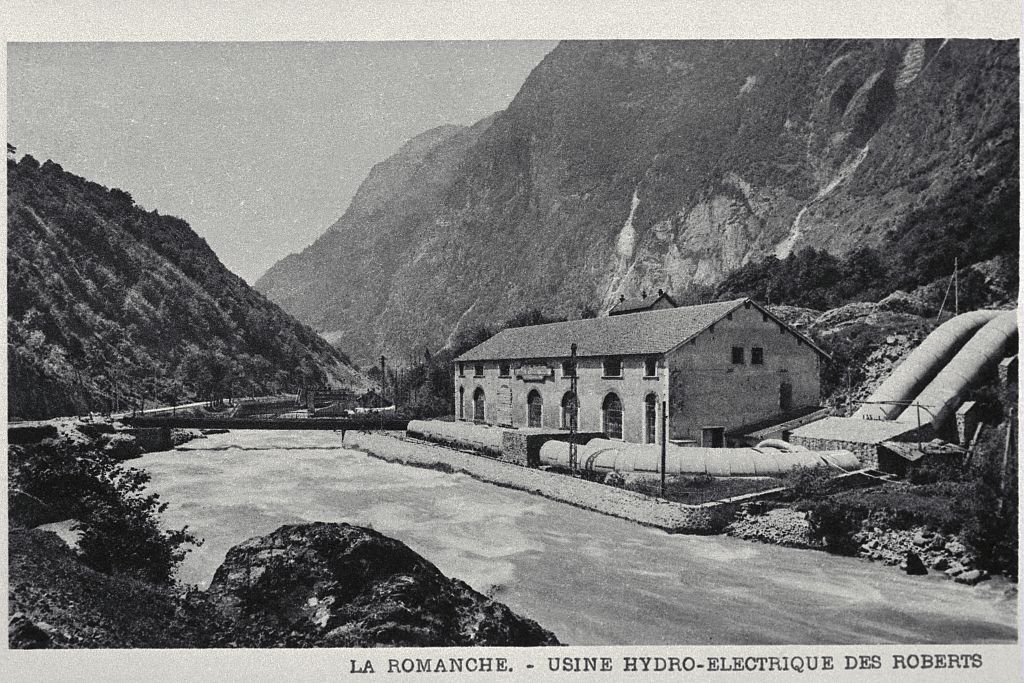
{"type": "Point", "coordinates": [311, 585]}
{"type": "Point", "coordinates": [338, 585]}
{"type": "Point", "coordinates": [778, 526]}
{"type": "Point", "coordinates": [918, 551]}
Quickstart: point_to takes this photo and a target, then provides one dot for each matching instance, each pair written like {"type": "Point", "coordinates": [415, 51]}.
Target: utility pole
{"type": "Point", "coordinates": [664, 443]}
{"type": "Point", "coordinates": [382, 379]}
{"type": "Point", "coordinates": [1006, 460]}
{"type": "Point", "coordinates": [574, 412]}
{"type": "Point", "coordinates": [956, 283]}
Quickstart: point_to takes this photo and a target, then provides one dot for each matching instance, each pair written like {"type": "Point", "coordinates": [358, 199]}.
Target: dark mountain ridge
{"type": "Point", "coordinates": [108, 303]}
{"type": "Point", "coordinates": [630, 165]}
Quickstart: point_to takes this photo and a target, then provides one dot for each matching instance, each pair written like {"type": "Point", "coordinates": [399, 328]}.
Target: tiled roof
{"type": "Point", "coordinates": [854, 429]}
{"type": "Point", "coordinates": [652, 332]}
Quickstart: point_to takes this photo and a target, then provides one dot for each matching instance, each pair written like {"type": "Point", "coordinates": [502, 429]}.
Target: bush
{"type": "Point", "coordinates": [835, 524]}
{"type": "Point", "coordinates": [809, 483]}
{"type": "Point", "coordinates": [991, 531]}
{"type": "Point", "coordinates": [119, 522]}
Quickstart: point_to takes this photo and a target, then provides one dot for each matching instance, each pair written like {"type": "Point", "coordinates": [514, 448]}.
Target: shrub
{"type": "Point", "coordinates": [991, 530]}
{"type": "Point", "coordinates": [835, 524]}
{"type": "Point", "coordinates": [119, 521]}
{"type": "Point", "coordinates": [809, 483]}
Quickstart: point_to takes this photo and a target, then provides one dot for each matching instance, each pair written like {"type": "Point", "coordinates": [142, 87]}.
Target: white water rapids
{"type": "Point", "coordinates": [589, 578]}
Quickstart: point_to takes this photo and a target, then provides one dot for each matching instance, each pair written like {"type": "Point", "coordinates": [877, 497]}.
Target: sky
{"type": "Point", "coordinates": [259, 146]}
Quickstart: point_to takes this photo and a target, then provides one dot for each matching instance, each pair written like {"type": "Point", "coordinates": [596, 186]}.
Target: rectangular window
{"type": "Point", "coordinates": [504, 370]}
{"type": "Point", "coordinates": [757, 356]}
{"type": "Point", "coordinates": [612, 367]}
{"type": "Point", "coordinates": [568, 368]}
{"type": "Point", "coordinates": [650, 367]}
{"type": "Point", "coordinates": [462, 369]}
{"type": "Point", "coordinates": [478, 370]}
{"type": "Point", "coordinates": [737, 355]}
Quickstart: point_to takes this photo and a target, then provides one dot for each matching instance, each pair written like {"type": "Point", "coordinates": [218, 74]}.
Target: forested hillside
{"type": "Point", "coordinates": [109, 303]}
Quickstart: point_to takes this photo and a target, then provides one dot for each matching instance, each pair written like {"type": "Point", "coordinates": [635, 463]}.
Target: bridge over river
{"type": "Point", "coordinates": [365, 422]}
{"type": "Point", "coordinates": [590, 578]}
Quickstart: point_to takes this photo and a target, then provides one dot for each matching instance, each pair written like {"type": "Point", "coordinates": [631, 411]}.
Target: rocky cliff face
{"type": "Point", "coordinates": [629, 165]}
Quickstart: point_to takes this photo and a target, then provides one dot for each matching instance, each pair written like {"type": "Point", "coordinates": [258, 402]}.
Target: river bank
{"type": "Point", "coordinates": [616, 502]}
{"type": "Point", "coordinates": [92, 564]}
{"type": "Point", "coordinates": [589, 578]}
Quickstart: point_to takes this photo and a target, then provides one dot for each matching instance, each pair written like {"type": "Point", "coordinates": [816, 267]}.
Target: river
{"type": "Point", "coordinates": [589, 578]}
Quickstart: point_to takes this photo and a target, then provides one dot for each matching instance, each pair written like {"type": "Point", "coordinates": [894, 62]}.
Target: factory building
{"type": "Point", "coordinates": [712, 369]}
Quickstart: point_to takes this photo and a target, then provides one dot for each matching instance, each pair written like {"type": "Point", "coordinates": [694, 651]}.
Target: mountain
{"type": "Point", "coordinates": [109, 302]}
{"type": "Point", "coordinates": [622, 166]}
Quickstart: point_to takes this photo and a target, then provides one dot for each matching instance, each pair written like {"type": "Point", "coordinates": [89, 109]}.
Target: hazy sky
{"type": "Point", "coordinates": [259, 146]}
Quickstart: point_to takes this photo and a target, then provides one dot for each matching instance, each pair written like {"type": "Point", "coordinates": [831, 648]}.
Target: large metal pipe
{"type": "Point", "coordinates": [603, 455]}
{"type": "Point", "coordinates": [923, 364]}
{"type": "Point", "coordinates": [940, 398]}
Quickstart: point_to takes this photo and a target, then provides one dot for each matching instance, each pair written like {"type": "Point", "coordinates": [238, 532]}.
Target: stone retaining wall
{"type": "Point", "coordinates": [708, 518]}
{"type": "Point", "coordinates": [867, 453]}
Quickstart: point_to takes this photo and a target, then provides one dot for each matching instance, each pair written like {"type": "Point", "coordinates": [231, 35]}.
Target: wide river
{"type": "Point", "coordinates": [589, 578]}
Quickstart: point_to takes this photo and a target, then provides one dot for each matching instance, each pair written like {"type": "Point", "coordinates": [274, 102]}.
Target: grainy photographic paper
{"type": "Point", "coordinates": [611, 343]}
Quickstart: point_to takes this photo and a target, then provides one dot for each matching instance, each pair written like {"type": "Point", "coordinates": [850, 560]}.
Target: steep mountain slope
{"type": "Point", "coordinates": [106, 300]}
{"type": "Point", "coordinates": [624, 165]}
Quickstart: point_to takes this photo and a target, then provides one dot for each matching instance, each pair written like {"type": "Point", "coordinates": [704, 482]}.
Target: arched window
{"type": "Point", "coordinates": [570, 411]}
{"type": "Point", "coordinates": [534, 409]}
{"type": "Point", "coordinates": [651, 419]}
{"type": "Point", "coordinates": [462, 403]}
{"type": "Point", "coordinates": [478, 405]}
{"type": "Point", "coordinates": [611, 411]}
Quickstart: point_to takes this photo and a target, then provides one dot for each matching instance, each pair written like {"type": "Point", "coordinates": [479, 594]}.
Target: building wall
{"type": "Point", "coordinates": [707, 389]}
{"type": "Point", "coordinates": [506, 397]}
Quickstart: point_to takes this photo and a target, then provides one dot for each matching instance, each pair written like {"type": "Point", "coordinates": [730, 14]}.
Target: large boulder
{"type": "Point", "coordinates": [338, 585]}
{"type": "Point", "coordinates": [23, 634]}
{"type": "Point", "coordinates": [914, 566]}
{"type": "Point", "coordinates": [120, 445]}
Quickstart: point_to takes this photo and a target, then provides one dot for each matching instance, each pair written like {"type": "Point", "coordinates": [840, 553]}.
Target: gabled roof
{"type": "Point", "coordinates": [642, 304]}
{"type": "Point", "coordinates": [648, 333]}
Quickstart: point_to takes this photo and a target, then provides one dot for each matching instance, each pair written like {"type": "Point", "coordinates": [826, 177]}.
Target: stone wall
{"type": "Point", "coordinates": [706, 389]}
{"type": "Point", "coordinates": [708, 518]}
{"type": "Point", "coordinates": [867, 453]}
{"type": "Point", "coordinates": [505, 397]}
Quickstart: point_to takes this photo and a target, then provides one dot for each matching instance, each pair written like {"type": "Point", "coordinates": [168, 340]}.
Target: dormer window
{"type": "Point", "coordinates": [612, 367]}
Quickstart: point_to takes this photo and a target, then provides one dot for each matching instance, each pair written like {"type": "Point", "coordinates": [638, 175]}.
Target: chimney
{"type": "Point", "coordinates": [661, 292]}
{"type": "Point", "coordinates": [643, 294]}
{"type": "Point", "coordinates": [622, 297]}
